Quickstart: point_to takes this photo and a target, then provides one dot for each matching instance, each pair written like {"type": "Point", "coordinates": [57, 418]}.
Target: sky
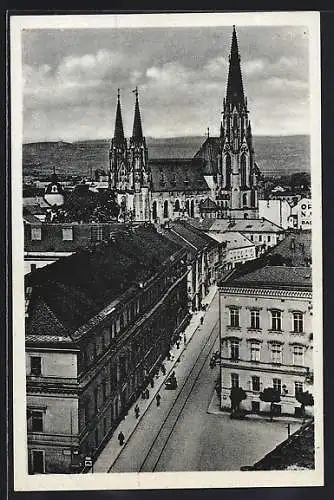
{"type": "Point", "coordinates": [71, 78]}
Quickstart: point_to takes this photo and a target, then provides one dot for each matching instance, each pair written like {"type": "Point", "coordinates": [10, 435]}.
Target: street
{"type": "Point", "coordinates": [180, 434]}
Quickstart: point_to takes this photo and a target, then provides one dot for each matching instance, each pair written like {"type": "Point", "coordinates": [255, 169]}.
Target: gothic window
{"type": "Point", "coordinates": [243, 169]}
{"type": "Point", "coordinates": [166, 209]}
{"type": "Point", "coordinates": [228, 170]}
{"type": "Point", "coordinates": [154, 210]}
{"type": "Point", "coordinates": [177, 206]}
{"type": "Point", "coordinates": [244, 199]}
{"type": "Point", "coordinates": [192, 209]}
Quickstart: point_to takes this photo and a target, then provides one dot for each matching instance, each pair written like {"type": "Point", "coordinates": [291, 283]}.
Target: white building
{"type": "Point", "coordinates": [239, 249]}
{"type": "Point", "coordinates": [276, 211]}
{"type": "Point", "coordinates": [301, 214]}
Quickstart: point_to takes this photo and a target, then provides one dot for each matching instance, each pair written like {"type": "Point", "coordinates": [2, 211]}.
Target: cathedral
{"type": "Point", "coordinates": [219, 181]}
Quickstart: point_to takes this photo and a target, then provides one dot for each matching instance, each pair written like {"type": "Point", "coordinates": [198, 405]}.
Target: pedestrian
{"type": "Point", "coordinates": [202, 320]}
{"type": "Point", "coordinates": [143, 395]}
{"type": "Point", "coordinates": [177, 345]}
{"type": "Point", "coordinates": [137, 411]}
{"type": "Point", "coordinates": [121, 438]}
{"type": "Point", "coordinates": [158, 398]}
{"type": "Point", "coordinates": [184, 338]}
{"type": "Point", "coordinates": [163, 369]}
{"type": "Point", "coordinates": [152, 383]}
{"type": "Point", "coordinates": [147, 392]}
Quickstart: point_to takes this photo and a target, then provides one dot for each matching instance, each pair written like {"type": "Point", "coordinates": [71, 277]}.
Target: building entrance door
{"type": "Point", "coordinates": [38, 462]}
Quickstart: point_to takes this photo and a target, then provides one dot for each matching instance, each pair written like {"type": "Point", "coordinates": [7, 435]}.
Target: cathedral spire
{"type": "Point", "coordinates": [119, 132]}
{"type": "Point", "coordinates": [234, 91]}
{"type": "Point", "coordinates": [137, 133]}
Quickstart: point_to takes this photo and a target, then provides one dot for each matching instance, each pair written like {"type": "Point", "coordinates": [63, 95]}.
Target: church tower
{"type": "Point", "coordinates": [139, 170]}
{"type": "Point", "coordinates": [237, 169]}
{"type": "Point", "coordinates": [118, 178]}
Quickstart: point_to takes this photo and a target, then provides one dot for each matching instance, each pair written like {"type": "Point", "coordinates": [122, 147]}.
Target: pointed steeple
{"type": "Point", "coordinates": [119, 131]}
{"type": "Point", "coordinates": [234, 91]}
{"type": "Point", "coordinates": [137, 133]}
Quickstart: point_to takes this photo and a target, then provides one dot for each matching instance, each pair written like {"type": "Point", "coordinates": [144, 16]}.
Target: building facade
{"type": "Point", "coordinates": [98, 325]}
{"type": "Point", "coordinates": [266, 336]}
{"type": "Point", "coordinates": [277, 211]}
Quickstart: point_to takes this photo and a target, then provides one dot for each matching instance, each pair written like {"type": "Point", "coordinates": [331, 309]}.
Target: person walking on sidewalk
{"type": "Point", "coordinates": [137, 411]}
{"type": "Point", "coordinates": [163, 369]}
{"type": "Point", "coordinates": [202, 320]}
{"type": "Point", "coordinates": [121, 438]}
{"type": "Point", "coordinates": [158, 398]}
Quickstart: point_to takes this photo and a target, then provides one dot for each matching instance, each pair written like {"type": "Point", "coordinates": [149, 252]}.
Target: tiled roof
{"type": "Point", "coordinates": [180, 175]}
{"type": "Point", "coordinates": [296, 452]}
{"type": "Point", "coordinates": [78, 287]}
{"type": "Point", "coordinates": [275, 276]}
{"type": "Point", "coordinates": [234, 240]}
{"type": "Point", "coordinates": [196, 238]}
{"type": "Point", "coordinates": [208, 205]}
{"type": "Point", "coordinates": [203, 224]}
{"type": "Point", "coordinates": [295, 249]}
{"type": "Point", "coordinates": [208, 152]}
{"type": "Point", "coordinates": [31, 219]}
{"type": "Point", "coordinates": [246, 225]}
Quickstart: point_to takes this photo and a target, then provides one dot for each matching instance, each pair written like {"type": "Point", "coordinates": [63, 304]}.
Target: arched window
{"type": "Point", "coordinates": [228, 170]}
{"type": "Point", "coordinates": [154, 211]}
{"type": "Point", "coordinates": [253, 198]}
{"type": "Point", "coordinates": [176, 206]}
{"type": "Point", "coordinates": [243, 170]}
{"type": "Point", "coordinates": [244, 199]}
{"type": "Point", "coordinates": [166, 209]}
{"type": "Point", "coordinates": [187, 207]}
{"type": "Point", "coordinates": [192, 208]}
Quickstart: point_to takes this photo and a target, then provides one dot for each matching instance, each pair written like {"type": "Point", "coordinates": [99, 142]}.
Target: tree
{"type": "Point", "coordinates": [272, 396]}
{"type": "Point", "coordinates": [305, 399]}
{"type": "Point", "coordinates": [237, 395]}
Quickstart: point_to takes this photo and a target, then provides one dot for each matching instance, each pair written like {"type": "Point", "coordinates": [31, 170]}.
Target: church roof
{"type": "Point", "coordinates": [240, 225]}
{"type": "Point", "coordinates": [178, 175]}
{"type": "Point", "coordinates": [234, 91]}
{"type": "Point", "coordinates": [208, 152]}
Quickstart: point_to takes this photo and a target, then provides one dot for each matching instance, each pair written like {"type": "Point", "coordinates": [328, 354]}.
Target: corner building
{"type": "Point", "coordinates": [266, 336]}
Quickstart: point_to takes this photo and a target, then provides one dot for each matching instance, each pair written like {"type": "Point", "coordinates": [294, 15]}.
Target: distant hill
{"type": "Point", "coordinates": [274, 155]}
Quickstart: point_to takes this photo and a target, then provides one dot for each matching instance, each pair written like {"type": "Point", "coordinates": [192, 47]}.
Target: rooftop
{"type": "Point", "coordinates": [178, 175]}
{"type": "Point", "coordinates": [67, 294]}
{"type": "Point", "coordinates": [294, 250]}
{"type": "Point", "coordinates": [239, 225]}
{"type": "Point", "coordinates": [233, 240]}
{"type": "Point", "coordinates": [275, 277]}
{"type": "Point", "coordinates": [296, 452]}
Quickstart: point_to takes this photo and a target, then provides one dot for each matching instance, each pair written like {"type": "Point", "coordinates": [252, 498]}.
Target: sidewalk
{"type": "Point", "coordinates": [214, 409]}
{"type": "Point", "coordinates": [113, 449]}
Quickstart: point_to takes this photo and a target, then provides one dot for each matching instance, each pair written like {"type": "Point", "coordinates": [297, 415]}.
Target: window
{"type": "Point", "coordinates": [33, 267]}
{"type": "Point", "coordinates": [36, 233]}
{"type": "Point", "coordinates": [298, 323]}
{"type": "Point", "coordinates": [256, 383]}
{"type": "Point", "coordinates": [37, 420]}
{"type": "Point", "coordinates": [234, 317]}
{"type": "Point", "coordinates": [298, 355]}
{"type": "Point", "coordinates": [255, 319]}
{"type": "Point", "coordinates": [276, 320]}
{"type": "Point", "coordinates": [298, 387]}
{"type": "Point", "coordinates": [67, 234]}
{"type": "Point", "coordinates": [255, 351]}
{"type": "Point", "coordinates": [38, 461]}
{"type": "Point", "coordinates": [234, 380]}
{"type": "Point", "coordinates": [97, 233]}
{"type": "Point", "coordinates": [276, 353]}
{"type": "Point", "coordinates": [260, 237]}
{"type": "Point", "coordinates": [234, 347]}
{"type": "Point", "coordinates": [277, 384]}
{"type": "Point", "coordinates": [35, 365]}
{"type": "Point", "coordinates": [268, 238]}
